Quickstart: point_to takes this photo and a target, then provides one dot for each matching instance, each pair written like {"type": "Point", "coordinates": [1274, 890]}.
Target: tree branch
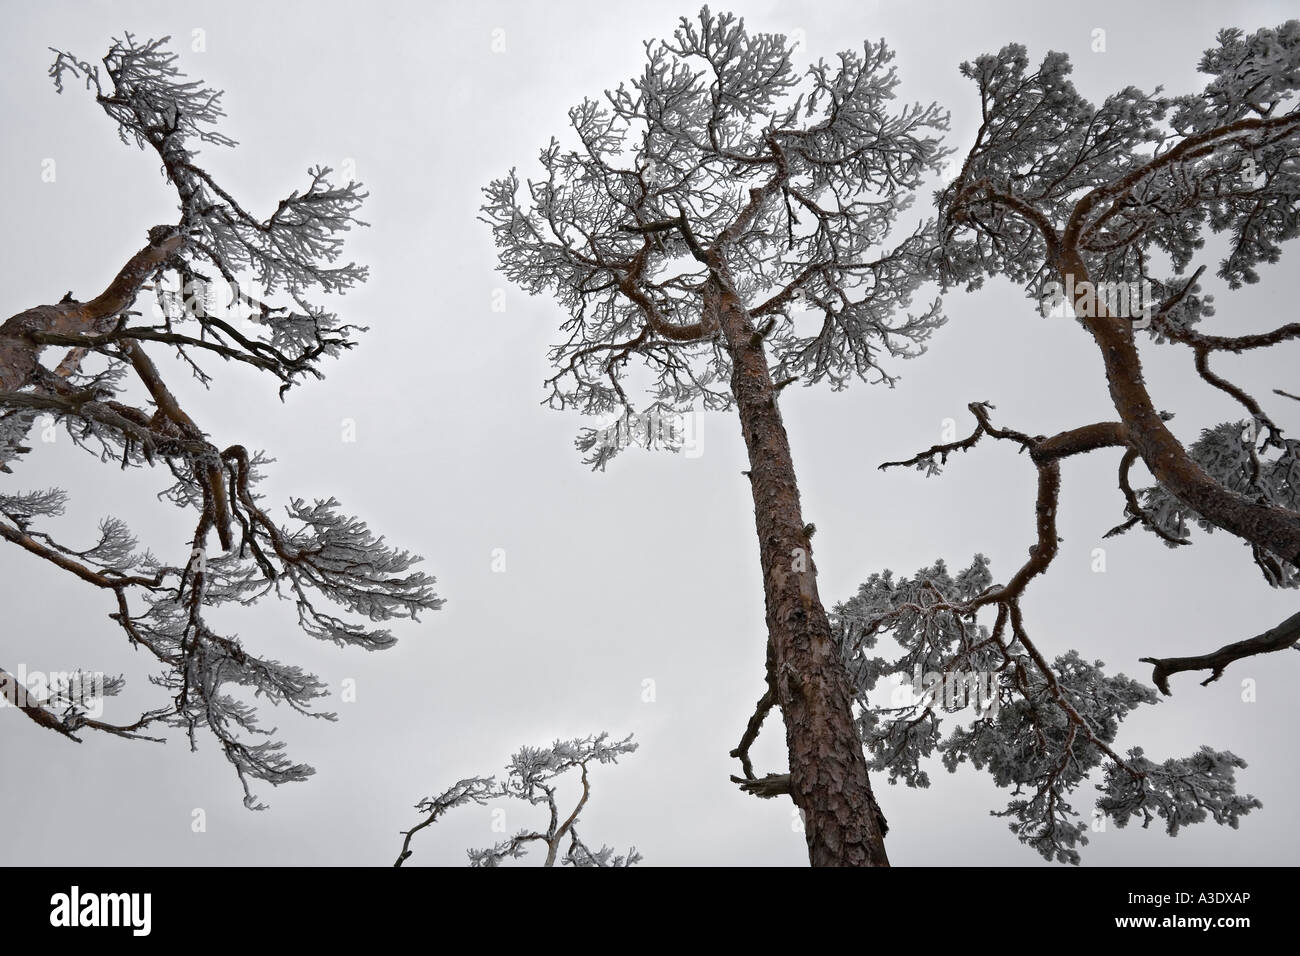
{"type": "Point", "coordinates": [1276, 638]}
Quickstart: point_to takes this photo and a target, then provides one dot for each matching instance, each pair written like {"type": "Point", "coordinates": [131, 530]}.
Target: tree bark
{"type": "Point", "coordinates": [1275, 529]}
{"type": "Point", "coordinates": [828, 770]}
{"type": "Point", "coordinates": [19, 353]}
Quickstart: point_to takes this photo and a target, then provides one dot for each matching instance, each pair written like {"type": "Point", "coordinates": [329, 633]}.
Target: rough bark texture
{"type": "Point", "coordinates": [828, 770]}
{"type": "Point", "coordinates": [1268, 526]}
{"type": "Point", "coordinates": [20, 353]}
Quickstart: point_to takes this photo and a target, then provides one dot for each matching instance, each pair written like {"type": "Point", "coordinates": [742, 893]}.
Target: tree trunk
{"type": "Point", "coordinates": [1275, 529]}
{"type": "Point", "coordinates": [828, 770]}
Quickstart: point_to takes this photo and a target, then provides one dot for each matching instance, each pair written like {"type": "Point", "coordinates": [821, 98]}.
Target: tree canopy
{"type": "Point", "coordinates": [219, 282]}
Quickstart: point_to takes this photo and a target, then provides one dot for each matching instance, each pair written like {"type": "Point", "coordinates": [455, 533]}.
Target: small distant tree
{"type": "Point", "coordinates": [530, 777]}
{"type": "Point", "coordinates": [722, 220]}
{"type": "Point", "coordinates": [219, 282]}
{"type": "Point", "coordinates": [1101, 212]}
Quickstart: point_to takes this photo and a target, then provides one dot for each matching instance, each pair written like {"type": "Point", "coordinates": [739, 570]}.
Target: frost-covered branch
{"type": "Point", "coordinates": [1039, 726]}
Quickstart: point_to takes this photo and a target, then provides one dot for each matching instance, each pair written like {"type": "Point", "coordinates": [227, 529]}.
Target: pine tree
{"type": "Point", "coordinates": [1101, 212]}
{"type": "Point", "coordinates": [723, 220]}
{"type": "Point", "coordinates": [217, 283]}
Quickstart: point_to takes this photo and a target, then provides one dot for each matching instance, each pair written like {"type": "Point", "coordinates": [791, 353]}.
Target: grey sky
{"type": "Point", "coordinates": [646, 572]}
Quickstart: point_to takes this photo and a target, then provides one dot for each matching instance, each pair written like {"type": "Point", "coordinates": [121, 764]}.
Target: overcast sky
{"type": "Point", "coordinates": [647, 572]}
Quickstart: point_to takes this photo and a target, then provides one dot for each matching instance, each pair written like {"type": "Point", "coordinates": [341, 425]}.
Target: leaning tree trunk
{"type": "Point", "coordinates": [828, 770]}
{"type": "Point", "coordinates": [1262, 524]}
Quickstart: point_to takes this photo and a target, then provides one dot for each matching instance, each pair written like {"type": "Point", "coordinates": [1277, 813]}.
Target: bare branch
{"type": "Point", "coordinates": [1276, 638]}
